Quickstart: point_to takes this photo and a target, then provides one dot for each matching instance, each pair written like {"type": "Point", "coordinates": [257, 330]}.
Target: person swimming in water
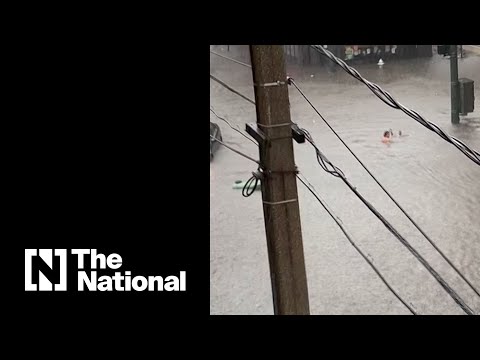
{"type": "Point", "coordinates": [386, 136]}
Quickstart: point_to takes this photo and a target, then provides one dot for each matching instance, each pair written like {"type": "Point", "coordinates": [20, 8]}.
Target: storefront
{"type": "Point", "coordinates": [305, 55]}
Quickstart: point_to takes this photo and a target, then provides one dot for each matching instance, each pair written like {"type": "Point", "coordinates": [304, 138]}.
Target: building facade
{"type": "Point", "coordinates": [305, 55]}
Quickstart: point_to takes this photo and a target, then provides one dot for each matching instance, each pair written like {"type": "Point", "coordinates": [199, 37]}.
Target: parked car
{"type": "Point", "coordinates": [216, 133]}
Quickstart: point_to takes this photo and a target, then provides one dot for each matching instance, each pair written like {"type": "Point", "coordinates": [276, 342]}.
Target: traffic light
{"type": "Point", "coordinates": [443, 49]}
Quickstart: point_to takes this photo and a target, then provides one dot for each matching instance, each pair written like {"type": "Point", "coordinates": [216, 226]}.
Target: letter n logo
{"type": "Point", "coordinates": [45, 271]}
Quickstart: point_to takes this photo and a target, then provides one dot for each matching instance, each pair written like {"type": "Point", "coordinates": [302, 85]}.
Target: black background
{"type": "Point", "coordinates": [112, 144]}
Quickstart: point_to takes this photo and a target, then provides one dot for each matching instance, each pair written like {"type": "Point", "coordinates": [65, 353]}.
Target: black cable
{"type": "Point", "coordinates": [395, 233]}
{"type": "Point", "coordinates": [385, 190]}
{"type": "Point", "coordinates": [235, 150]}
{"type": "Point", "coordinates": [247, 189]}
{"type": "Point", "coordinates": [233, 60]}
{"type": "Point", "coordinates": [355, 245]}
{"type": "Point", "coordinates": [231, 89]}
{"type": "Point", "coordinates": [231, 126]}
{"type": "Point", "coordinates": [322, 160]}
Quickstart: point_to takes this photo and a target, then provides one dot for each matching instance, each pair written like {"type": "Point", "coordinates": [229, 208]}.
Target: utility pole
{"type": "Point", "coordinates": [279, 184]}
{"type": "Point", "coordinates": [454, 84]}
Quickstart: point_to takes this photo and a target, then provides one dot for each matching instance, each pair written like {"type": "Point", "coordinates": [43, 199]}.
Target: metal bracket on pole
{"type": "Point", "coordinates": [253, 130]}
{"type": "Point", "coordinates": [275, 83]}
{"type": "Point", "coordinates": [298, 134]}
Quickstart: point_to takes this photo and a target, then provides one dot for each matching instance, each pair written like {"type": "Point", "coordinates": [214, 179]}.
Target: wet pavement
{"type": "Point", "coordinates": [434, 182]}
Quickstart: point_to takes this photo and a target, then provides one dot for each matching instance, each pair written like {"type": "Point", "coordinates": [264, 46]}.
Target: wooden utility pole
{"type": "Point", "coordinates": [279, 185]}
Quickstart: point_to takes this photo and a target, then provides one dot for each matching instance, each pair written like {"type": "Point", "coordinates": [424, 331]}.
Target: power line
{"type": "Point", "coordinates": [388, 99]}
{"type": "Point", "coordinates": [385, 190]}
{"type": "Point", "coordinates": [324, 162]}
{"type": "Point", "coordinates": [231, 126]}
{"type": "Point", "coordinates": [235, 150]}
{"type": "Point", "coordinates": [248, 190]}
{"type": "Point", "coordinates": [390, 227]}
{"type": "Point", "coordinates": [310, 188]}
{"type": "Point", "coordinates": [233, 60]}
{"type": "Point", "coordinates": [231, 89]}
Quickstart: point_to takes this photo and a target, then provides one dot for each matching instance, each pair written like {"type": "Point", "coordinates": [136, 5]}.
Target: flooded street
{"type": "Point", "coordinates": [433, 181]}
